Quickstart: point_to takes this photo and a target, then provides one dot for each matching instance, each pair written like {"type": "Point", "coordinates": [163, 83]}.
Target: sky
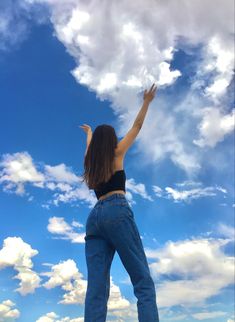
{"type": "Point", "coordinates": [66, 63]}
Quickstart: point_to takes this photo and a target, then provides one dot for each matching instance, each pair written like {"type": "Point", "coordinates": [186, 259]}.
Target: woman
{"type": "Point", "coordinates": [111, 224]}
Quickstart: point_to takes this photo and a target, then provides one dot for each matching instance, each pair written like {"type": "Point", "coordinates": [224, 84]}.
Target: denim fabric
{"type": "Point", "coordinates": [111, 227]}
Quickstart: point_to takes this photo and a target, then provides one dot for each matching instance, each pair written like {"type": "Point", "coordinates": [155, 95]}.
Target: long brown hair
{"type": "Point", "coordinates": [98, 162]}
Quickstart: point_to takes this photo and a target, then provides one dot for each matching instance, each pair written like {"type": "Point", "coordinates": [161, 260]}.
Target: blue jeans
{"type": "Point", "coordinates": [111, 227]}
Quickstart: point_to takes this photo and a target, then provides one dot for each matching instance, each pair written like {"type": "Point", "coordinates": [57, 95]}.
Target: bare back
{"type": "Point", "coordinates": [120, 152]}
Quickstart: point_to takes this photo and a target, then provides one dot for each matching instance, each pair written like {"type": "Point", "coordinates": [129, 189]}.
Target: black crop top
{"type": "Point", "coordinates": [116, 182]}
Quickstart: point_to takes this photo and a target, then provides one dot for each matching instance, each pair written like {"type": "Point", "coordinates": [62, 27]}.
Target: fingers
{"type": "Point", "coordinates": [152, 89]}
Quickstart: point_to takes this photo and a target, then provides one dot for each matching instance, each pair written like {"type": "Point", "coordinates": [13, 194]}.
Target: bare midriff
{"type": "Point", "coordinates": [111, 193]}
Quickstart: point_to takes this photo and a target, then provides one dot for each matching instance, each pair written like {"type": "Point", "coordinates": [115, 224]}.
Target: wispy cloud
{"type": "Point", "coordinates": [208, 315]}
{"type": "Point", "coordinates": [16, 19]}
{"type": "Point", "coordinates": [195, 190]}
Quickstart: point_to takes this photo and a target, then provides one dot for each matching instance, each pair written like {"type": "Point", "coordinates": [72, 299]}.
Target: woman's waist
{"type": "Point", "coordinates": [115, 196]}
{"type": "Point", "coordinates": [110, 193]}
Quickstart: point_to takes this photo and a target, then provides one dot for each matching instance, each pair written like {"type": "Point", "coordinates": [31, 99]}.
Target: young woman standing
{"type": "Point", "coordinates": [111, 225]}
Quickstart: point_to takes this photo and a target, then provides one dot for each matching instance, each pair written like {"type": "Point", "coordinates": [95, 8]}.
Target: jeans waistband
{"type": "Point", "coordinates": [119, 196]}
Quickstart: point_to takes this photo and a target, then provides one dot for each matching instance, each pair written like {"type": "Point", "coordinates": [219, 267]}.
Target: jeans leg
{"type": "Point", "coordinates": [125, 237]}
{"type": "Point", "coordinates": [99, 255]}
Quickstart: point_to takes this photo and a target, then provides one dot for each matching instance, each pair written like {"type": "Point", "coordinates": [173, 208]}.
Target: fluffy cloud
{"type": "Point", "coordinates": [61, 173]}
{"type": "Point", "coordinates": [119, 56]}
{"type": "Point", "coordinates": [7, 312]}
{"type": "Point", "coordinates": [102, 50]}
{"type": "Point", "coordinates": [199, 269]}
{"type": "Point", "coordinates": [16, 253]}
{"type": "Point", "coordinates": [58, 226]}
{"type": "Point", "coordinates": [66, 275]}
{"type": "Point", "coordinates": [220, 59]}
{"type": "Point", "coordinates": [18, 169]}
{"type": "Point", "coordinates": [214, 126]}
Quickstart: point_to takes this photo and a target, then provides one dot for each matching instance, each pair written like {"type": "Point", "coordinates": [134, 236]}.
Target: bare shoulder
{"type": "Point", "coordinates": [127, 141]}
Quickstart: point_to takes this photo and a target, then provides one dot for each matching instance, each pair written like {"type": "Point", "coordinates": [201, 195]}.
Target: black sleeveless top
{"type": "Point", "coordinates": [116, 182]}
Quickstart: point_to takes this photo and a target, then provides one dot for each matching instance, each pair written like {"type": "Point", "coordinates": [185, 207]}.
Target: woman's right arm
{"type": "Point", "coordinates": [148, 97]}
{"type": "Point", "coordinates": [129, 138]}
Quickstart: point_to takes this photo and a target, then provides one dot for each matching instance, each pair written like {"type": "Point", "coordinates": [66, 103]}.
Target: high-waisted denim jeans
{"type": "Point", "coordinates": [111, 227]}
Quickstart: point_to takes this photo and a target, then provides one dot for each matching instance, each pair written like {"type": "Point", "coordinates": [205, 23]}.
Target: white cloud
{"type": "Point", "coordinates": [18, 169]}
{"type": "Point", "coordinates": [106, 66]}
{"type": "Point", "coordinates": [61, 173]}
{"type": "Point", "coordinates": [177, 195]}
{"type": "Point", "coordinates": [67, 276]}
{"type": "Point", "coordinates": [226, 230]}
{"type": "Point", "coordinates": [157, 190]}
{"type": "Point", "coordinates": [196, 191]}
{"type": "Point", "coordinates": [220, 58]}
{"type": "Point", "coordinates": [77, 193]}
{"type": "Point", "coordinates": [200, 270]}
{"type": "Point", "coordinates": [116, 300]}
{"type": "Point", "coordinates": [120, 56]}
{"type": "Point", "coordinates": [61, 274]}
{"type": "Point", "coordinates": [16, 18]}
{"type": "Point", "coordinates": [15, 252]}
{"type": "Point", "coordinates": [208, 315]}
{"type": "Point", "coordinates": [138, 188]}
{"type": "Point", "coordinates": [214, 126]}
{"type": "Point", "coordinates": [53, 317]}
{"type": "Point", "coordinates": [166, 76]}
{"type": "Point", "coordinates": [58, 226]}
{"type": "Point", "coordinates": [7, 312]}
{"type": "Point", "coordinates": [188, 183]}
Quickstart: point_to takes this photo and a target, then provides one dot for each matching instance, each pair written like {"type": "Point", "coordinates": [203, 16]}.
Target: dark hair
{"type": "Point", "coordinates": [99, 159]}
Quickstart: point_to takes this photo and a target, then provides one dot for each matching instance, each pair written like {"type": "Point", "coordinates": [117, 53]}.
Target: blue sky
{"type": "Point", "coordinates": [69, 63]}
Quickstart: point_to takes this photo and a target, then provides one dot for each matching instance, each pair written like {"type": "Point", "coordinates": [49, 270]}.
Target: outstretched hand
{"type": "Point", "coordinates": [86, 128]}
{"type": "Point", "coordinates": [149, 95]}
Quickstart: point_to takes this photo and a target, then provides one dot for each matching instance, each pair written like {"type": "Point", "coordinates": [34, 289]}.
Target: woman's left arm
{"type": "Point", "coordinates": [88, 131]}
{"type": "Point", "coordinates": [88, 140]}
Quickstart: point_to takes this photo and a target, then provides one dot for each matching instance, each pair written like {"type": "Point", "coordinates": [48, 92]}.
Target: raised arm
{"type": "Point", "coordinates": [88, 131]}
{"type": "Point", "coordinates": [129, 138]}
{"type": "Point", "coordinates": [148, 97]}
